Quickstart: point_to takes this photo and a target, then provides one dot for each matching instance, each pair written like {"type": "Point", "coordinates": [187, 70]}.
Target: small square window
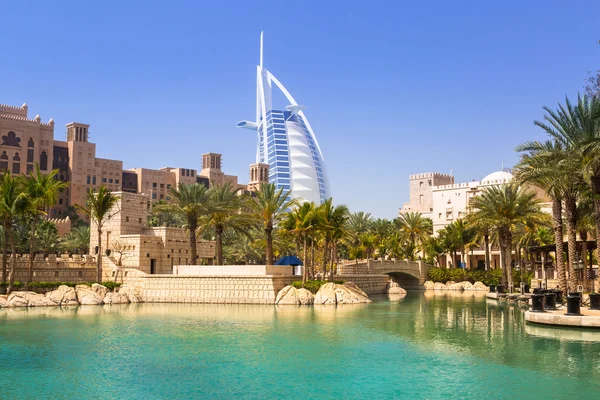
{"type": "Point", "coordinates": [140, 220]}
{"type": "Point", "coordinates": [126, 219]}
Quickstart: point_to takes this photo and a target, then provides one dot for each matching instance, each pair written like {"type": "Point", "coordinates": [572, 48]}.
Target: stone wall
{"type": "Point", "coordinates": [222, 289]}
{"type": "Point", "coordinates": [56, 269]}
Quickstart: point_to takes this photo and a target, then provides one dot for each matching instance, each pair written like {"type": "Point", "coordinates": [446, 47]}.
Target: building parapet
{"type": "Point", "coordinates": [431, 175]}
{"type": "Point", "coordinates": [457, 186]}
{"type": "Point", "coordinates": [37, 120]}
{"type": "Point", "coordinates": [22, 111]}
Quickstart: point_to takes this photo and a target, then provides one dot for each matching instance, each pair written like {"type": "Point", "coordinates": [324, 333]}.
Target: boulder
{"type": "Point", "coordinates": [305, 296]}
{"type": "Point", "coordinates": [29, 299]}
{"type": "Point", "coordinates": [116, 298]}
{"type": "Point", "coordinates": [455, 286]}
{"type": "Point", "coordinates": [132, 293]}
{"type": "Point", "coordinates": [394, 288]}
{"type": "Point", "coordinates": [63, 296]}
{"type": "Point", "coordinates": [100, 289]}
{"type": "Point", "coordinates": [480, 286]}
{"type": "Point", "coordinates": [87, 296]}
{"type": "Point", "coordinates": [450, 283]}
{"type": "Point", "coordinates": [3, 301]}
{"type": "Point", "coordinates": [326, 294]}
{"type": "Point", "coordinates": [467, 285]}
{"type": "Point", "coordinates": [287, 296]}
{"type": "Point", "coordinates": [348, 293]}
{"type": "Point", "coordinates": [429, 285]}
{"type": "Point", "coordinates": [439, 286]}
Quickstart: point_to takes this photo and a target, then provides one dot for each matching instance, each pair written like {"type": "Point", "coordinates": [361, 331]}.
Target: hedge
{"type": "Point", "coordinates": [493, 277]}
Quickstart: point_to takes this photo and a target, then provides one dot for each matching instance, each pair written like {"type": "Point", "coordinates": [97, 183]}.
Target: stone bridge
{"type": "Point", "coordinates": [408, 274]}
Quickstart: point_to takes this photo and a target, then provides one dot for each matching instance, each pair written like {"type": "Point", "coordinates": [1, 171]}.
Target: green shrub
{"type": "Point", "coordinates": [493, 277]}
{"type": "Point", "coordinates": [438, 274]}
{"type": "Point", "coordinates": [313, 286]}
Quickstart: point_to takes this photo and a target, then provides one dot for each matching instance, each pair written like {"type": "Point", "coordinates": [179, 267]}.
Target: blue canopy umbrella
{"type": "Point", "coordinates": [289, 260]}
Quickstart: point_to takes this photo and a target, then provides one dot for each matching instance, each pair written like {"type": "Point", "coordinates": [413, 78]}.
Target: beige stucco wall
{"type": "Point", "coordinates": [233, 270]}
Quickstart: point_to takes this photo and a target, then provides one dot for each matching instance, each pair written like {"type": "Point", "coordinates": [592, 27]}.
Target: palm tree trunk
{"type": "Point", "coordinates": [571, 217]}
{"type": "Point", "coordinates": [583, 257]}
{"type": "Point", "coordinates": [193, 250]}
{"type": "Point", "coordinates": [304, 266]}
{"type": "Point", "coordinates": [99, 256]}
{"type": "Point", "coordinates": [31, 246]}
{"type": "Point", "coordinates": [269, 234]}
{"type": "Point", "coordinates": [13, 263]}
{"type": "Point", "coordinates": [508, 258]}
{"type": "Point", "coordinates": [486, 239]}
{"type": "Point", "coordinates": [219, 244]}
{"type": "Point", "coordinates": [4, 260]}
{"type": "Point", "coordinates": [558, 239]}
{"type": "Point", "coordinates": [325, 252]}
{"type": "Point", "coordinates": [312, 258]}
{"type": "Point", "coordinates": [502, 239]}
{"type": "Point", "coordinates": [333, 257]}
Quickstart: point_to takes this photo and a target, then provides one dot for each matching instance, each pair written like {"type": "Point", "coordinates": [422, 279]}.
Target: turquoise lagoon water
{"type": "Point", "coordinates": [424, 346]}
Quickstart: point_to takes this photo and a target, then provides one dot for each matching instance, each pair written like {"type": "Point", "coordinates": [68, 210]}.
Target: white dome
{"type": "Point", "coordinates": [497, 177]}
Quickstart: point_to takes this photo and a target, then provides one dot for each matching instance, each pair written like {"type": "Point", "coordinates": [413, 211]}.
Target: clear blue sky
{"type": "Point", "coordinates": [391, 88]}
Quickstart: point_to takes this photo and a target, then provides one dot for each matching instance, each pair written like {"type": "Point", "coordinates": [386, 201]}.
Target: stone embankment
{"type": "Point", "coordinates": [69, 296]}
{"type": "Point", "coordinates": [451, 285]}
{"type": "Point", "coordinates": [329, 293]}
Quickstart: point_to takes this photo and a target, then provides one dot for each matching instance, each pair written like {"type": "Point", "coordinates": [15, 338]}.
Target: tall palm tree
{"type": "Point", "coordinates": [576, 128]}
{"type": "Point", "coordinates": [100, 207]}
{"type": "Point", "coordinates": [334, 221]}
{"type": "Point", "coordinates": [270, 204]}
{"type": "Point", "coordinates": [482, 236]}
{"type": "Point", "coordinates": [225, 212]}
{"type": "Point", "coordinates": [190, 203]}
{"type": "Point", "coordinates": [416, 228]}
{"type": "Point", "coordinates": [41, 191]}
{"type": "Point", "coordinates": [302, 222]}
{"type": "Point", "coordinates": [504, 207]}
{"type": "Point", "coordinates": [13, 203]}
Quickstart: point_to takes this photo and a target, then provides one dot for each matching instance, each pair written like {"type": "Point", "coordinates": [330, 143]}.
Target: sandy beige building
{"type": "Point", "coordinates": [448, 202]}
{"type": "Point", "coordinates": [153, 250]}
{"type": "Point", "coordinates": [26, 141]}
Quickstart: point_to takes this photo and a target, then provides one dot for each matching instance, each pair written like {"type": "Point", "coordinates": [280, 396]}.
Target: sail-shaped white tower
{"type": "Point", "coordinates": [286, 141]}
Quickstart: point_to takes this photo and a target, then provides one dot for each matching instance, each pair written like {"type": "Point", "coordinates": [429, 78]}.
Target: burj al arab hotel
{"type": "Point", "coordinates": [286, 141]}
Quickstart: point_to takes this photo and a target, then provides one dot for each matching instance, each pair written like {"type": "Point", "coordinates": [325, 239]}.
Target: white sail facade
{"type": "Point", "coordinates": [286, 141]}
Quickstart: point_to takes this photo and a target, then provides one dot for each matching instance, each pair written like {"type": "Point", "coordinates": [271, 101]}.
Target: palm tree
{"type": "Point", "coordinates": [225, 212]}
{"type": "Point", "coordinates": [270, 204]}
{"type": "Point", "coordinates": [503, 207]}
{"type": "Point", "coordinates": [42, 193]}
{"type": "Point", "coordinates": [334, 221]}
{"type": "Point", "coordinates": [13, 203]}
{"type": "Point", "coordinates": [416, 228]}
{"type": "Point", "coordinates": [549, 166]}
{"type": "Point", "coordinates": [302, 222]}
{"type": "Point", "coordinates": [99, 208]}
{"type": "Point", "coordinates": [78, 240]}
{"type": "Point", "coordinates": [482, 236]}
{"type": "Point", "coordinates": [576, 129]}
{"type": "Point", "coordinates": [190, 203]}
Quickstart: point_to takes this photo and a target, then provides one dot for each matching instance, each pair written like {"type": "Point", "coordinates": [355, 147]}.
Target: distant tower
{"type": "Point", "coordinates": [259, 173]}
{"type": "Point", "coordinates": [286, 141]}
{"type": "Point", "coordinates": [211, 161]}
{"type": "Point", "coordinates": [77, 132]}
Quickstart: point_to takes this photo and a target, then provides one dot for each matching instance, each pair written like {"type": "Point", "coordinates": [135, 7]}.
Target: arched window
{"type": "Point", "coordinates": [16, 167]}
{"type": "Point", "coordinates": [30, 150]}
{"type": "Point", "coordinates": [44, 161]}
{"type": "Point", "coordinates": [4, 161]}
